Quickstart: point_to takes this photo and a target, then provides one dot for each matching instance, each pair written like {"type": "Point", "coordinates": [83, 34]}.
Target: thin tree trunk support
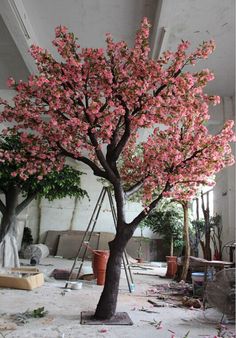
{"type": "Point", "coordinates": [186, 242]}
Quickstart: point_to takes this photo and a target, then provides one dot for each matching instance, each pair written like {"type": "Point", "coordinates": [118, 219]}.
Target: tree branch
{"type": "Point", "coordinates": [2, 207]}
{"type": "Point", "coordinates": [157, 92]}
{"type": "Point", "coordinates": [174, 169]}
{"type": "Point", "coordinates": [25, 203]}
{"type": "Point", "coordinates": [133, 225]}
{"type": "Point", "coordinates": [110, 174]}
{"type": "Point", "coordinates": [132, 190]}
{"type": "Point", "coordinates": [111, 146]}
{"type": "Point", "coordinates": [118, 149]}
{"type": "Point", "coordinates": [195, 153]}
{"type": "Point", "coordinates": [96, 170]}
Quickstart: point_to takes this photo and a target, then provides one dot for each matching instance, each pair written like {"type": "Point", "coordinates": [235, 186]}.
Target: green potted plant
{"type": "Point", "coordinates": [168, 222]}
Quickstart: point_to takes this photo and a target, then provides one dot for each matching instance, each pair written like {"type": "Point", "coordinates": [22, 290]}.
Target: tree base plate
{"type": "Point", "coordinates": [120, 318]}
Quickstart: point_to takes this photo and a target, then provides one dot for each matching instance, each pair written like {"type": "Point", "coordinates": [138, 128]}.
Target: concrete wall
{"type": "Point", "coordinates": [224, 190]}
{"type": "Point", "coordinates": [72, 214]}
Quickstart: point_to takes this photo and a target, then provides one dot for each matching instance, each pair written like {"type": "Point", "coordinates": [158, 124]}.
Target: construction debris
{"type": "Point", "coordinates": [147, 310]}
{"type": "Point", "coordinates": [22, 318]}
{"type": "Point", "coordinates": [173, 295]}
{"type": "Point", "coordinates": [172, 289]}
{"type": "Point", "coordinates": [162, 305]}
{"type": "Point", "coordinates": [155, 323]}
{"type": "Point", "coordinates": [88, 277]}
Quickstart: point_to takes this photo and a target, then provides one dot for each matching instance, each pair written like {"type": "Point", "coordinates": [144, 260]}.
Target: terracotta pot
{"type": "Point", "coordinates": [171, 266]}
{"type": "Point", "coordinates": [99, 264]}
{"type": "Point", "coordinates": [140, 260]}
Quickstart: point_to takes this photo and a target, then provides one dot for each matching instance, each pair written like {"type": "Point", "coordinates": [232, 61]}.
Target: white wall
{"type": "Point", "coordinates": [224, 190]}
{"type": "Point", "coordinates": [68, 213]}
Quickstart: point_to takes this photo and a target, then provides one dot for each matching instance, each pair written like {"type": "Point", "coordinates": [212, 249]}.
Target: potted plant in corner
{"type": "Point", "coordinates": [168, 222]}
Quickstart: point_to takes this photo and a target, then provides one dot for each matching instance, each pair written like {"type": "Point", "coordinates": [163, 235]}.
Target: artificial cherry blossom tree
{"type": "Point", "coordinates": [91, 104]}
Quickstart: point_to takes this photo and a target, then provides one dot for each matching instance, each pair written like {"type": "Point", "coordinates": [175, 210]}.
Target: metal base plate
{"type": "Point", "coordinates": [120, 318]}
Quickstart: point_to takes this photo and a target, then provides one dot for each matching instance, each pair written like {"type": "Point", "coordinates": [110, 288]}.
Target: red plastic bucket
{"type": "Point", "coordinates": [99, 264]}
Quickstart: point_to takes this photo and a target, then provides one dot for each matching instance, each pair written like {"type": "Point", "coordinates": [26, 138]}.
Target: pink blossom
{"type": "Point", "coordinates": [11, 82]}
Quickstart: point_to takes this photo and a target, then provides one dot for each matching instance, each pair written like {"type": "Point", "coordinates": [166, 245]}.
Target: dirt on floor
{"type": "Point", "coordinates": [155, 308]}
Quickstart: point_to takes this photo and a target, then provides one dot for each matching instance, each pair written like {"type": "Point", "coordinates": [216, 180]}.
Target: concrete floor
{"type": "Point", "coordinates": [63, 319]}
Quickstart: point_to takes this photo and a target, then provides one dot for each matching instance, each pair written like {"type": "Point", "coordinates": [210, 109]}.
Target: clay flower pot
{"type": "Point", "coordinates": [171, 266]}
{"type": "Point", "coordinates": [99, 264]}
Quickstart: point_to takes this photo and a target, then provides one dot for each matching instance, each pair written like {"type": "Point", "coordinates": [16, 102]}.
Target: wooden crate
{"type": "Point", "coordinates": [21, 278]}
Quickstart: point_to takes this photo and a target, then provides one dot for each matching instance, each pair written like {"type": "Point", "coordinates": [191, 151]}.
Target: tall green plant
{"type": "Point", "coordinates": [168, 222]}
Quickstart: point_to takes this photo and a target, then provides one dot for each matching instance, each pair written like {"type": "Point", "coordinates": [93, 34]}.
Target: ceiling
{"type": "Point", "coordinates": [23, 22]}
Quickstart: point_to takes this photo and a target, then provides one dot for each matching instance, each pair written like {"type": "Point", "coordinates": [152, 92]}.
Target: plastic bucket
{"type": "Point", "coordinates": [198, 283]}
{"type": "Point", "coordinates": [99, 264]}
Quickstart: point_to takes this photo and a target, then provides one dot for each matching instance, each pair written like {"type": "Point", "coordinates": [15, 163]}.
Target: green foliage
{"type": "Point", "coordinates": [57, 185]}
{"type": "Point", "coordinates": [167, 221]}
{"type": "Point", "coordinates": [198, 225]}
{"type": "Point", "coordinates": [198, 229]}
{"type": "Point", "coordinates": [215, 221]}
{"type": "Point", "coordinates": [9, 143]}
{"type": "Point", "coordinates": [38, 313]}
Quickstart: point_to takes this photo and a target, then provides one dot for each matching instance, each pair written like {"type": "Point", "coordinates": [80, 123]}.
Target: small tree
{"type": "Point", "coordinates": [217, 227]}
{"type": "Point", "coordinates": [199, 235]}
{"type": "Point", "coordinates": [12, 185]}
{"type": "Point", "coordinates": [91, 106]}
{"type": "Point", "coordinates": [168, 222]}
{"type": "Point", "coordinates": [198, 226]}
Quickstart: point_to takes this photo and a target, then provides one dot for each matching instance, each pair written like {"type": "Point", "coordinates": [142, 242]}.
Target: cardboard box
{"type": "Point", "coordinates": [22, 278]}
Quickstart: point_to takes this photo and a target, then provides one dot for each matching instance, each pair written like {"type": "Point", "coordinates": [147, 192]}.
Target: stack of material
{"type": "Point", "coordinates": [67, 243]}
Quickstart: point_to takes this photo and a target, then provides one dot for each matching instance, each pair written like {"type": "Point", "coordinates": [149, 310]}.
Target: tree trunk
{"type": "Point", "coordinates": [207, 242]}
{"type": "Point", "coordinates": [171, 246]}
{"type": "Point", "coordinates": [186, 242]}
{"type": "Point", "coordinates": [107, 304]}
{"type": "Point", "coordinates": [8, 244]}
{"type": "Point", "coordinates": [9, 257]}
{"type": "Point", "coordinates": [206, 213]}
